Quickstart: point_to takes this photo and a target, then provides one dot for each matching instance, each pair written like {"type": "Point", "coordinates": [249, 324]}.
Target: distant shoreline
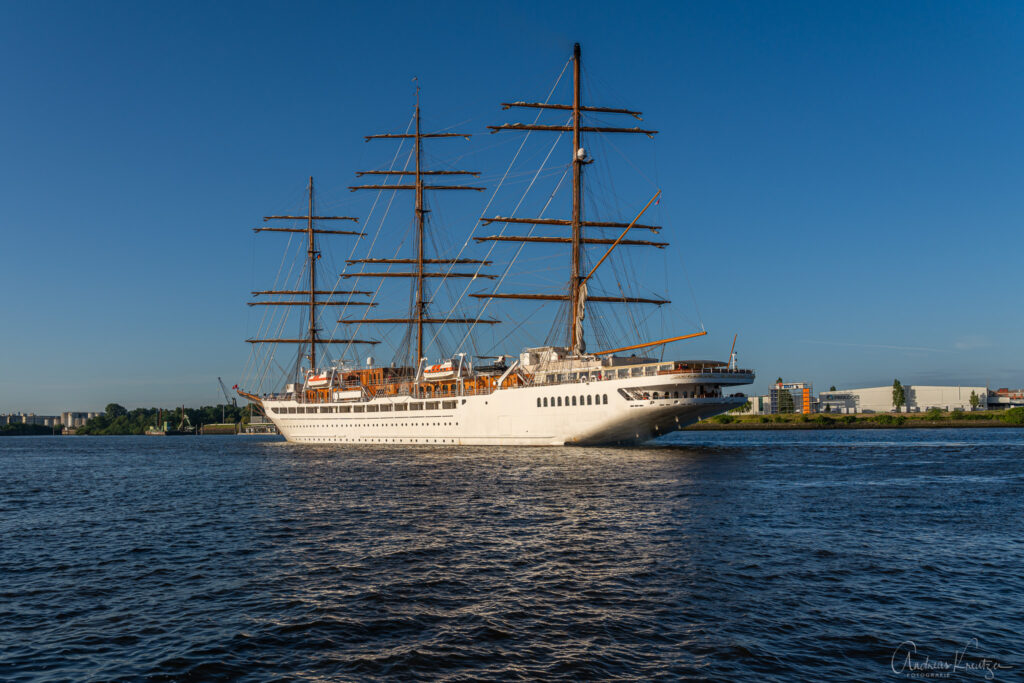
{"type": "Point", "coordinates": [933, 419]}
{"type": "Point", "coordinates": [709, 425]}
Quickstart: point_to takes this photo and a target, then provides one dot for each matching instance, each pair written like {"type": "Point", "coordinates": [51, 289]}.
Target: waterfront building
{"type": "Point", "coordinates": [793, 397]}
{"type": "Point", "coordinates": [1004, 398]}
{"type": "Point", "coordinates": [760, 405]}
{"type": "Point", "coordinates": [29, 419]}
{"type": "Point", "coordinates": [919, 398]}
{"type": "Point", "coordinates": [73, 420]}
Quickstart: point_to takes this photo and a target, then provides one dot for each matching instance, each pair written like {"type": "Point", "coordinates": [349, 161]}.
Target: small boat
{"type": "Point", "coordinates": [318, 381]}
{"type": "Point", "coordinates": [439, 372]}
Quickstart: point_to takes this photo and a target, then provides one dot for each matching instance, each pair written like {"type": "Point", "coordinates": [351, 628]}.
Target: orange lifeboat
{"type": "Point", "coordinates": [439, 372]}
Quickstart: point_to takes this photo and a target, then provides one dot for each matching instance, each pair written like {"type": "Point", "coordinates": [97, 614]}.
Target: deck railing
{"type": "Point", "coordinates": [605, 374]}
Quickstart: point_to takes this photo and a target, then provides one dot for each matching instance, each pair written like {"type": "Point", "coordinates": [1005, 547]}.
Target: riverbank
{"type": "Point", "coordinates": [27, 430]}
{"type": "Point", "coordinates": [930, 420]}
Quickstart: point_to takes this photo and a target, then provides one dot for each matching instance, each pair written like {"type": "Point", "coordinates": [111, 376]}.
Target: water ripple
{"type": "Point", "coordinates": [730, 556]}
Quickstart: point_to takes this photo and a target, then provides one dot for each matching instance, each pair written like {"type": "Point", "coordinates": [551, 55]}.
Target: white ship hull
{"type": "Point", "coordinates": [615, 411]}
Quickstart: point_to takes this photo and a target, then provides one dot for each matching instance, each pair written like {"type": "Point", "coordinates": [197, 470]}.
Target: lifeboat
{"type": "Point", "coordinates": [440, 372]}
{"type": "Point", "coordinates": [318, 381]}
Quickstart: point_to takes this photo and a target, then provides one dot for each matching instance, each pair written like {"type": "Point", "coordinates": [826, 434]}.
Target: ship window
{"type": "Point", "coordinates": [582, 399]}
{"type": "Point", "coordinates": [357, 409]}
{"type": "Point", "coordinates": [623, 373]}
{"type": "Point", "coordinates": [415, 406]}
{"type": "Point", "coordinates": [545, 401]}
{"type": "Point", "coordinates": [401, 406]}
{"type": "Point", "coordinates": [605, 399]}
{"type": "Point", "coordinates": [432, 405]}
{"type": "Point", "coordinates": [538, 402]}
{"type": "Point", "coordinates": [574, 400]}
{"type": "Point", "coordinates": [448, 405]}
{"type": "Point", "coordinates": [654, 395]}
{"type": "Point", "coordinates": [372, 409]}
{"type": "Point", "coordinates": [559, 401]}
{"type": "Point", "coordinates": [345, 409]}
{"type": "Point", "coordinates": [590, 400]}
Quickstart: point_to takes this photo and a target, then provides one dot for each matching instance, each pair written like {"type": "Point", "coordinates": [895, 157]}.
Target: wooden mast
{"type": "Point", "coordinates": [419, 239]}
{"type": "Point", "coordinates": [312, 337]}
{"type": "Point", "coordinates": [418, 316]}
{"type": "Point", "coordinates": [575, 304]}
{"type": "Point", "coordinates": [312, 280]}
{"type": "Point", "coordinates": [577, 295]}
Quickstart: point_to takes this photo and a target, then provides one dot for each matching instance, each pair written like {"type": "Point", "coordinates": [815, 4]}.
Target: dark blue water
{"type": "Point", "coordinates": [724, 555]}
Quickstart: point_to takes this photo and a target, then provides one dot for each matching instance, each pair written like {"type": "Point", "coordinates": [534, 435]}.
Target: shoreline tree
{"type": "Point", "coordinates": [899, 396]}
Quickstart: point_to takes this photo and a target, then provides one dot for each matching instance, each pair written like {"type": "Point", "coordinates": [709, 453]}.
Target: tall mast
{"type": "Point", "coordinates": [312, 253]}
{"type": "Point", "coordinates": [577, 296]}
{"type": "Point", "coordinates": [311, 337]}
{"type": "Point", "coordinates": [419, 238]}
{"type": "Point", "coordinates": [418, 316]}
{"type": "Point", "coordinates": [575, 302]}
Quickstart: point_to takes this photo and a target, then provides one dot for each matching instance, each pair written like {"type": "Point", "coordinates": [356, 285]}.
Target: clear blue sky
{"type": "Point", "coordinates": [842, 180]}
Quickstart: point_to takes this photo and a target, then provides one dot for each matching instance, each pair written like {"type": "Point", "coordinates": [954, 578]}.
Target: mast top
{"type": "Point", "coordinates": [576, 50]}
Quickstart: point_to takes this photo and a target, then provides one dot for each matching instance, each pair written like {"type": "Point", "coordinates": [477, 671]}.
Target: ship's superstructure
{"type": "Point", "coordinates": [547, 395]}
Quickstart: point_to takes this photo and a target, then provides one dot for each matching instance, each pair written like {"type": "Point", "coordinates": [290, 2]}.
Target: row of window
{"type": "Point", "coordinates": [371, 408]}
{"type": "Point", "coordinates": [584, 400]}
{"type": "Point", "coordinates": [364, 425]}
{"type": "Point", "coordinates": [608, 373]}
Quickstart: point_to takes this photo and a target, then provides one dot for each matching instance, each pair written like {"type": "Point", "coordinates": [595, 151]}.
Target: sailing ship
{"type": "Point", "coordinates": [547, 395]}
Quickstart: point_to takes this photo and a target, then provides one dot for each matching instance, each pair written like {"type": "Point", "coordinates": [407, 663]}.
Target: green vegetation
{"type": "Point", "coordinates": [26, 430]}
{"type": "Point", "coordinates": [899, 395]}
{"type": "Point", "coordinates": [786, 401]}
{"type": "Point", "coordinates": [932, 418]}
{"type": "Point", "coordinates": [975, 401]}
{"type": "Point", "coordinates": [1014, 416]}
{"type": "Point", "coordinates": [118, 420]}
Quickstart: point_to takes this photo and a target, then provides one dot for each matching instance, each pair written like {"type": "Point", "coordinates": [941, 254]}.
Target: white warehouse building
{"type": "Point", "coordinates": [919, 399]}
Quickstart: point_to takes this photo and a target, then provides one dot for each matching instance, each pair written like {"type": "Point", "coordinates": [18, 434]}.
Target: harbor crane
{"type": "Point", "coordinates": [227, 397]}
